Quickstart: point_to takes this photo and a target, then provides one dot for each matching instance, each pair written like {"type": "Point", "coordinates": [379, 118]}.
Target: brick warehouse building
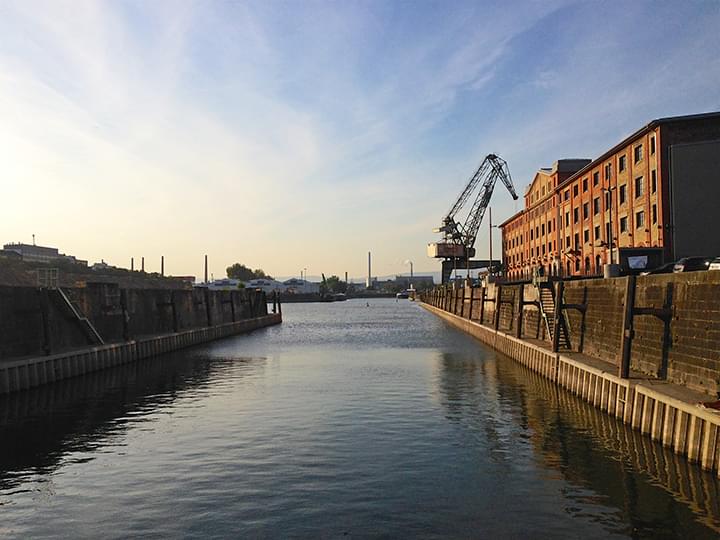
{"type": "Point", "coordinates": [654, 196]}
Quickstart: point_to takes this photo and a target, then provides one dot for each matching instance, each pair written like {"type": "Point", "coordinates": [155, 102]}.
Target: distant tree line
{"type": "Point", "coordinates": [243, 273]}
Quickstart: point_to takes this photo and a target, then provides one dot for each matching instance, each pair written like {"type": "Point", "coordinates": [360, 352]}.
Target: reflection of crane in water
{"type": "Point", "coordinates": [457, 246]}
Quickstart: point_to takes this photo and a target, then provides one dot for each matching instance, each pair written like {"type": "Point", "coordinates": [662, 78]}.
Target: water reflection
{"type": "Point", "coordinates": [333, 425]}
{"type": "Point", "coordinates": [41, 427]}
{"type": "Point", "coordinates": [603, 459]}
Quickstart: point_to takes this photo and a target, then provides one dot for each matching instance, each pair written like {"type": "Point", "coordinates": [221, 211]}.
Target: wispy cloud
{"type": "Point", "coordinates": [279, 134]}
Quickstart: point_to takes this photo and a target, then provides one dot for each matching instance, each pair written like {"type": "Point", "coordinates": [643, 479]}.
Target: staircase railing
{"type": "Point", "coordinates": [84, 322]}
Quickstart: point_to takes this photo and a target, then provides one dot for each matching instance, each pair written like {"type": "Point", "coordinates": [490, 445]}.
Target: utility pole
{"type": "Point", "coordinates": [490, 231]}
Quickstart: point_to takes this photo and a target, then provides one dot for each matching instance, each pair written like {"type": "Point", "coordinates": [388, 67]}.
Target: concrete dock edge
{"type": "Point", "coordinates": [25, 373]}
{"type": "Point", "coordinates": [689, 430]}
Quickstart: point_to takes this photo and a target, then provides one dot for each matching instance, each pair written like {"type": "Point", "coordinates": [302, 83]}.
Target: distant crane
{"type": "Point", "coordinates": [457, 246]}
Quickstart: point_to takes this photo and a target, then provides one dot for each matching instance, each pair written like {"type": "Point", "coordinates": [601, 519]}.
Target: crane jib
{"type": "Point", "coordinates": [485, 177]}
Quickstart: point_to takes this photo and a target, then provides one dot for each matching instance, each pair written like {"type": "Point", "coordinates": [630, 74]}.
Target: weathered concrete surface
{"type": "Point", "coordinates": [685, 349]}
{"type": "Point", "coordinates": [36, 321]}
{"type": "Point", "coordinates": [665, 412]}
{"type": "Point", "coordinates": [24, 373]}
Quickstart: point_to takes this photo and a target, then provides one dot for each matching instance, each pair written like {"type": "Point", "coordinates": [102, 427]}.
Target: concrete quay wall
{"type": "Point", "coordinates": [666, 413]}
{"type": "Point", "coordinates": [37, 321]}
{"type": "Point", "coordinates": [25, 373]}
{"type": "Point", "coordinates": [675, 334]}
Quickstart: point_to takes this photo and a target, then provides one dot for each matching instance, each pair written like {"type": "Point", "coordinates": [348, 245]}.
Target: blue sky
{"type": "Point", "coordinates": [292, 135]}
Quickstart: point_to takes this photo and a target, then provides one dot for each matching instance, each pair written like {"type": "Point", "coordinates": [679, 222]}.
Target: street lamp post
{"type": "Point", "coordinates": [611, 269]}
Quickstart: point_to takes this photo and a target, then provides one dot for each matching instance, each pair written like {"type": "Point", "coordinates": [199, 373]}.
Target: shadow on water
{"type": "Point", "coordinates": [608, 462]}
{"type": "Point", "coordinates": [41, 426]}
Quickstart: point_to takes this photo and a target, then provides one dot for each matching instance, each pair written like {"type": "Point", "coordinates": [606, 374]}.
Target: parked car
{"type": "Point", "coordinates": [714, 264]}
{"type": "Point", "coordinates": [666, 268]}
{"type": "Point", "coordinates": [692, 264]}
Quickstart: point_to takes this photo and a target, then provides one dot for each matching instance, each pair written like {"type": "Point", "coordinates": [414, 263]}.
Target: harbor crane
{"type": "Point", "coordinates": [457, 246]}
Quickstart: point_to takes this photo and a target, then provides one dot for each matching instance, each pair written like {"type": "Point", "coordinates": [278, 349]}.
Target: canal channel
{"type": "Point", "coordinates": [351, 419]}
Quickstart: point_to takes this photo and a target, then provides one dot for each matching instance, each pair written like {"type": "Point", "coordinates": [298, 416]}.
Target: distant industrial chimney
{"type": "Point", "coordinates": [368, 284]}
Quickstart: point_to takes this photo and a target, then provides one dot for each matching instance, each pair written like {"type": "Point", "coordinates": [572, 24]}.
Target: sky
{"type": "Point", "coordinates": [293, 135]}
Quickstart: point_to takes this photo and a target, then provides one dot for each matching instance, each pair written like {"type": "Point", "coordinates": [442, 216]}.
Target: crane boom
{"type": "Point", "coordinates": [459, 238]}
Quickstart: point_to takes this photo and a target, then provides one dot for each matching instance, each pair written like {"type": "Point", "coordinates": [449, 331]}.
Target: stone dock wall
{"type": "Point", "coordinates": [51, 334]}
{"type": "Point", "coordinates": [25, 373]}
{"type": "Point", "coordinates": [674, 356]}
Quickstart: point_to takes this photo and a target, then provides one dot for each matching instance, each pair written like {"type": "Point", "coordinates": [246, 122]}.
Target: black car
{"type": "Point", "coordinates": [666, 268]}
{"type": "Point", "coordinates": [692, 264]}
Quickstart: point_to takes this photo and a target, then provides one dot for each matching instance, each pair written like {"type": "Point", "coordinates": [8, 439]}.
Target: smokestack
{"type": "Point", "coordinates": [369, 278]}
{"type": "Point", "coordinates": [132, 264]}
{"type": "Point", "coordinates": [345, 278]}
{"type": "Point", "coordinates": [142, 264]}
{"type": "Point", "coordinates": [206, 269]}
{"type": "Point", "coordinates": [162, 265]}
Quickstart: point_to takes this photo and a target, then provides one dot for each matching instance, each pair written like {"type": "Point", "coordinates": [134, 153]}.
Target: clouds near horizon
{"type": "Point", "coordinates": [287, 135]}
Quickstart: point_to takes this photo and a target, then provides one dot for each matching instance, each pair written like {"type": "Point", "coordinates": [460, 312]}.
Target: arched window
{"type": "Point", "coordinates": [598, 264]}
{"type": "Point", "coordinates": [587, 265]}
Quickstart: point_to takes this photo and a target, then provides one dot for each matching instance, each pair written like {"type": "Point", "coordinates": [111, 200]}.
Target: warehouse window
{"type": "Point", "coordinates": [575, 215]}
{"type": "Point", "coordinates": [597, 232]}
{"type": "Point", "coordinates": [653, 181]}
{"type": "Point", "coordinates": [596, 178]}
{"type": "Point", "coordinates": [596, 205]}
{"type": "Point", "coordinates": [654, 213]}
{"type": "Point", "coordinates": [575, 190]}
{"type": "Point", "coordinates": [622, 163]}
{"type": "Point", "coordinates": [639, 219]}
{"type": "Point", "coordinates": [623, 224]}
{"type": "Point", "coordinates": [586, 210]}
{"type": "Point", "coordinates": [586, 235]}
{"type": "Point", "coordinates": [623, 193]}
{"type": "Point", "coordinates": [637, 152]}
{"type": "Point", "coordinates": [585, 184]}
{"type": "Point", "coordinates": [639, 186]}
{"type": "Point", "coordinates": [652, 146]}
{"type": "Point", "coordinates": [608, 172]}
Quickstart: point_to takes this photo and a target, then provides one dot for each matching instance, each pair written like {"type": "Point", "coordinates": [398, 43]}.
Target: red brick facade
{"type": "Point", "coordinates": [565, 227]}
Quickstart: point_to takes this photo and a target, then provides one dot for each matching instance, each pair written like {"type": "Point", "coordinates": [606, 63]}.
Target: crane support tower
{"type": "Point", "coordinates": [457, 246]}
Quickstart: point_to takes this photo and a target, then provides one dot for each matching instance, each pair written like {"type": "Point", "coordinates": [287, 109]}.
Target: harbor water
{"type": "Point", "coordinates": [357, 419]}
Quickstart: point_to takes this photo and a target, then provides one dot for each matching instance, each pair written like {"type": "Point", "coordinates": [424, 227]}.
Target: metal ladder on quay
{"type": "Point", "coordinates": [92, 334]}
{"type": "Point", "coordinates": [546, 294]}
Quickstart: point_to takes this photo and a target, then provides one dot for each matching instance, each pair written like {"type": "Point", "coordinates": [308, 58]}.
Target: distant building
{"type": "Point", "coordinates": [267, 285]}
{"type": "Point", "coordinates": [187, 280]}
{"type": "Point", "coordinates": [418, 282]}
{"type": "Point", "coordinates": [7, 254]}
{"type": "Point", "coordinates": [41, 254]}
{"type": "Point", "coordinates": [300, 286]}
{"type": "Point", "coordinates": [651, 198]}
{"type": "Point", "coordinates": [223, 284]}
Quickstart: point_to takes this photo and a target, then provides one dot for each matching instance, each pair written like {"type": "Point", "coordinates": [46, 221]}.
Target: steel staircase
{"type": "Point", "coordinates": [546, 293]}
{"type": "Point", "coordinates": [76, 313]}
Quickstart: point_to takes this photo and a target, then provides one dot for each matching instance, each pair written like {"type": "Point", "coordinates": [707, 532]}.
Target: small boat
{"type": "Point", "coordinates": [339, 297]}
{"type": "Point", "coordinates": [402, 294]}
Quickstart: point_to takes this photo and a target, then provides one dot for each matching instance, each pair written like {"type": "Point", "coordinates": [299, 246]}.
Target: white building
{"type": "Point", "coordinates": [267, 285]}
{"type": "Point", "coordinates": [224, 284]}
{"type": "Point", "coordinates": [301, 286]}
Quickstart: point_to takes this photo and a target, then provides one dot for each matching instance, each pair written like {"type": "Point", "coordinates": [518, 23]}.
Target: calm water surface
{"type": "Point", "coordinates": [345, 421]}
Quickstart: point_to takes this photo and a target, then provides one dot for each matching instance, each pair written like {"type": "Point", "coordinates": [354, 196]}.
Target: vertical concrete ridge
{"type": "Point", "coordinates": [25, 373]}
{"type": "Point", "coordinates": [652, 408]}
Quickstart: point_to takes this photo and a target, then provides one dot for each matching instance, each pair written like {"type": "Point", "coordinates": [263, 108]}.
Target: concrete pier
{"type": "Point", "coordinates": [24, 373]}
{"type": "Point", "coordinates": [664, 412]}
